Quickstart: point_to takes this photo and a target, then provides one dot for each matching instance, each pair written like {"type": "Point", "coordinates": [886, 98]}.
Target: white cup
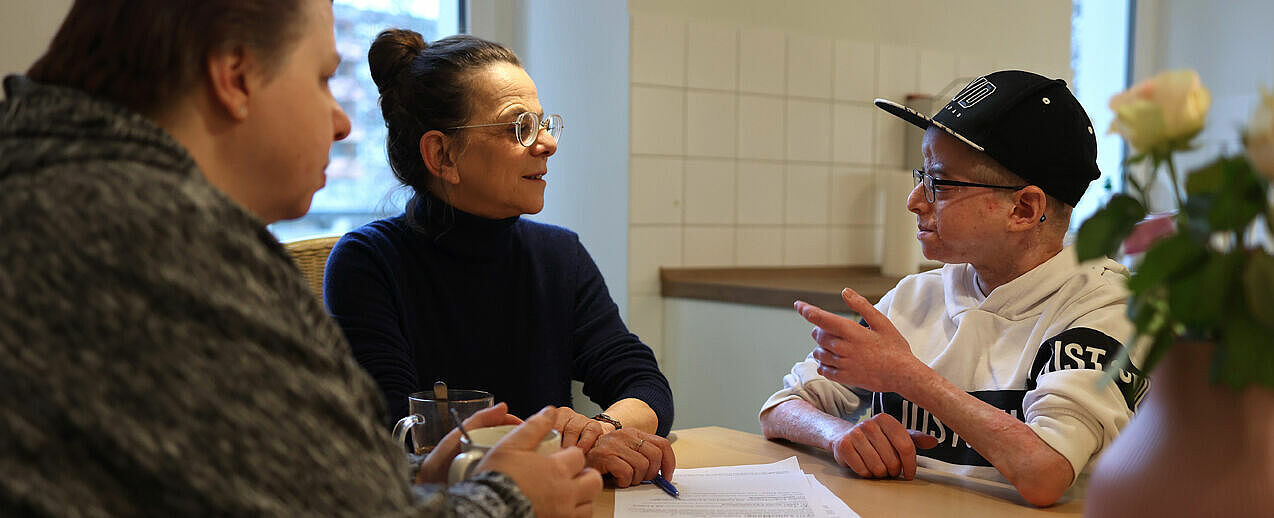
{"type": "Point", "coordinates": [483, 440]}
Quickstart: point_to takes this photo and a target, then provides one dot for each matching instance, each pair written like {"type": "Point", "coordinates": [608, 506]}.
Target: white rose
{"type": "Point", "coordinates": [1161, 113]}
{"type": "Point", "coordinates": [1259, 137]}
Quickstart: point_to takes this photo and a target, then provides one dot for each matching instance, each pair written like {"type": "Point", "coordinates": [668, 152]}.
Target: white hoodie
{"type": "Point", "coordinates": [1035, 347]}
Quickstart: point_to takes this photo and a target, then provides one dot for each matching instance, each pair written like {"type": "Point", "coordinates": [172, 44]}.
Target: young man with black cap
{"type": "Point", "coordinates": [993, 365]}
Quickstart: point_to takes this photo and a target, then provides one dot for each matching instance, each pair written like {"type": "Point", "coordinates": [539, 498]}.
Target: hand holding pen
{"type": "Point", "coordinates": [665, 485]}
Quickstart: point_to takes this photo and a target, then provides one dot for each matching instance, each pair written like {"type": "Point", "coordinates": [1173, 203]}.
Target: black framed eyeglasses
{"type": "Point", "coordinates": [932, 185]}
{"type": "Point", "coordinates": [527, 127]}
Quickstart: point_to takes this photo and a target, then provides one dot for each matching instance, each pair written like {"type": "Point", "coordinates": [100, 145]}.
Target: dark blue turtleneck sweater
{"type": "Point", "coordinates": [511, 306]}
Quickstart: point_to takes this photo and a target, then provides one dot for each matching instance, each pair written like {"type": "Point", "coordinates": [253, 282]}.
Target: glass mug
{"type": "Point", "coordinates": [430, 418]}
{"type": "Point", "coordinates": [486, 438]}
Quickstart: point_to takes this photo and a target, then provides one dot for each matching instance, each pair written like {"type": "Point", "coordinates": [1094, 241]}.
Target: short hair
{"type": "Point", "coordinates": [145, 54]}
{"type": "Point", "coordinates": [425, 87]}
{"type": "Point", "coordinates": [992, 172]}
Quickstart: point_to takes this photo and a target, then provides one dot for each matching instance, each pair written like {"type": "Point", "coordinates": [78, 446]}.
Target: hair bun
{"type": "Point", "coordinates": [391, 53]}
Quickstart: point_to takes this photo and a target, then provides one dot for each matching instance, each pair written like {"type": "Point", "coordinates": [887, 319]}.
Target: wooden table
{"type": "Point", "coordinates": [930, 494]}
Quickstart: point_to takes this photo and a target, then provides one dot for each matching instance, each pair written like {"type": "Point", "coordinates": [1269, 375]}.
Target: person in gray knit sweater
{"type": "Point", "coordinates": [160, 354]}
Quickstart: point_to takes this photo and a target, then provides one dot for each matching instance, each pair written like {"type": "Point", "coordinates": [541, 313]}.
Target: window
{"type": "Point", "coordinates": [1100, 48]}
{"type": "Point", "coordinates": [360, 186]}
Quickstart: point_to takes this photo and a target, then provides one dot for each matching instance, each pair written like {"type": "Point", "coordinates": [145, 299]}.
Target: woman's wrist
{"type": "Point", "coordinates": [608, 421]}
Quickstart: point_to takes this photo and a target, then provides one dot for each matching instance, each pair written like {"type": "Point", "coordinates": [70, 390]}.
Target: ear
{"type": "Point", "coordinates": [232, 78]}
{"type": "Point", "coordinates": [436, 151]}
{"type": "Point", "coordinates": [1029, 205]}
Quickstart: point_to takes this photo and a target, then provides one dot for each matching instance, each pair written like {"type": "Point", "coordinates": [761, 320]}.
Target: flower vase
{"type": "Point", "coordinates": [1192, 448]}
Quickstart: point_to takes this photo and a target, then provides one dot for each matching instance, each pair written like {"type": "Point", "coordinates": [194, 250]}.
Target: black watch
{"type": "Point", "coordinates": [608, 419]}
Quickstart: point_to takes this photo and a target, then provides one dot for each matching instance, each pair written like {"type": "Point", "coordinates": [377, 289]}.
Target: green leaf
{"type": "Point", "coordinates": [1197, 211]}
{"type": "Point", "coordinates": [1101, 234]}
{"type": "Point", "coordinates": [1201, 294]}
{"type": "Point", "coordinates": [1224, 195]}
{"type": "Point", "coordinates": [1258, 286]}
{"type": "Point", "coordinates": [1221, 293]}
{"type": "Point", "coordinates": [1206, 180]}
{"type": "Point", "coordinates": [1239, 198]}
{"type": "Point", "coordinates": [1244, 355]}
{"type": "Point", "coordinates": [1167, 258]}
{"type": "Point", "coordinates": [1160, 344]}
{"type": "Point", "coordinates": [1149, 311]}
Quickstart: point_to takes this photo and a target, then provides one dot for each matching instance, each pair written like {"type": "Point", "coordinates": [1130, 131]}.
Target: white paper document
{"type": "Point", "coordinates": [778, 489]}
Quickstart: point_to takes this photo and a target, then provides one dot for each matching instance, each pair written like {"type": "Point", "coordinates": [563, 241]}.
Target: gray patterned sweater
{"type": "Point", "coordinates": [160, 354]}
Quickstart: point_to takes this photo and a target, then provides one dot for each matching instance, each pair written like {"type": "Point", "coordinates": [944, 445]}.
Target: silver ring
{"type": "Point", "coordinates": [640, 443]}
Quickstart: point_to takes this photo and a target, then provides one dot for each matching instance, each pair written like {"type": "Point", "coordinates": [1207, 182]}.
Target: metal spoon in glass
{"type": "Point", "coordinates": [456, 415]}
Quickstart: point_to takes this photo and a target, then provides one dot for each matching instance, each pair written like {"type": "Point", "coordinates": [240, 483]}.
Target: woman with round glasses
{"type": "Point", "coordinates": [460, 289]}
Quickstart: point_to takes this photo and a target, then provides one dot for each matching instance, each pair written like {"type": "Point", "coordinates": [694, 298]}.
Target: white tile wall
{"type": "Point", "coordinates": [760, 192]}
{"type": "Point", "coordinates": [649, 247]}
{"type": "Point", "coordinates": [709, 246]}
{"type": "Point", "coordinates": [809, 130]}
{"type": "Point", "coordinates": [658, 47]}
{"type": "Point", "coordinates": [937, 69]}
{"type": "Point", "coordinates": [896, 200]}
{"type": "Point", "coordinates": [710, 191]}
{"type": "Point", "coordinates": [852, 140]}
{"type": "Point", "coordinates": [897, 70]}
{"type": "Point", "coordinates": [759, 245]}
{"type": "Point", "coordinates": [758, 147]}
{"type": "Point", "coordinates": [807, 193]}
{"type": "Point", "coordinates": [655, 189]}
{"type": "Point", "coordinates": [855, 71]}
{"type": "Point", "coordinates": [854, 245]}
{"type": "Point", "coordinates": [806, 246]}
{"type": "Point", "coordinates": [657, 119]}
{"type": "Point", "coordinates": [972, 65]}
{"type": "Point", "coordinates": [889, 139]}
{"type": "Point", "coordinates": [712, 58]}
{"type": "Point", "coordinates": [809, 66]}
{"type": "Point", "coordinates": [761, 129]}
{"type": "Point", "coordinates": [711, 122]}
{"type": "Point", "coordinates": [853, 197]}
{"type": "Point", "coordinates": [761, 61]}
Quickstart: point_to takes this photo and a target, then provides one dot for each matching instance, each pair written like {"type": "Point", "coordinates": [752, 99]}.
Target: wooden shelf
{"type": "Point", "coordinates": [777, 286]}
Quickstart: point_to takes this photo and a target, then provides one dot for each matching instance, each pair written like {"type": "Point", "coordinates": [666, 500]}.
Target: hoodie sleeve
{"type": "Point", "coordinates": [805, 383]}
{"type": "Point", "coordinates": [1069, 403]}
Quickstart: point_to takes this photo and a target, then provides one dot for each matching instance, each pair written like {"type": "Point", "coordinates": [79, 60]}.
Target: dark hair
{"type": "Point", "coordinates": [425, 87]}
{"type": "Point", "coordinates": [144, 54]}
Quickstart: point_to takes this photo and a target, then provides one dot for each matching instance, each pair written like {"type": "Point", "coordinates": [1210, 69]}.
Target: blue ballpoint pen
{"type": "Point", "coordinates": [665, 485]}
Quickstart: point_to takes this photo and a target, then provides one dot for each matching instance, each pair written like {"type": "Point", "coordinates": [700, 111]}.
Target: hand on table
{"type": "Point", "coordinates": [629, 455]}
{"type": "Point", "coordinates": [632, 456]}
{"type": "Point", "coordinates": [557, 485]}
{"type": "Point", "coordinates": [579, 430]}
{"type": "Point", "coordinates": [433, 470]}
{"type": "Point", "coordinates": [881, 447]}
{"type": "Point", "coordinates": [875, 358]}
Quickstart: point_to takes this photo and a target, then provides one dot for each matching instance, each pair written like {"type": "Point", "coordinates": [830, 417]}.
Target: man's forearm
{"type": "Point", "coordinates": [798, 421]}
{"type": "Point", "coordinates": [1039, 472]}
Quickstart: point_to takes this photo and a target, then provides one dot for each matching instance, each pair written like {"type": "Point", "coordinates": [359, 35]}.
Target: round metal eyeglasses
{"type": "Point", "coordinates": [527, 127]}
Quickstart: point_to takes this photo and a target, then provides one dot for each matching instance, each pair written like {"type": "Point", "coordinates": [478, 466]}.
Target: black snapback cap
{"type": "Point", "coordinates": [1029, 123]}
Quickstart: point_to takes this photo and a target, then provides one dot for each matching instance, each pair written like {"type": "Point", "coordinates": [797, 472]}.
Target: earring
{"type": "Point", "coordinates": [1042, 218]}
{"type": "Point", "coordinates": [242, 111]}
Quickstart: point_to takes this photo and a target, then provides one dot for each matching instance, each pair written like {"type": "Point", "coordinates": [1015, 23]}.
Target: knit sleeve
{"type": "Point", "coordinates": [489, 494]}
{"type": "Point", "coordinates": [358, 289]}
{"type": "Point", "coordinates": [611, 361]}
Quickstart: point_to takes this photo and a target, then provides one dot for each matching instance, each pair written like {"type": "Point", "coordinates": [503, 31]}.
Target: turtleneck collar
{"type": "Point", "coordinates": [458, 232]}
